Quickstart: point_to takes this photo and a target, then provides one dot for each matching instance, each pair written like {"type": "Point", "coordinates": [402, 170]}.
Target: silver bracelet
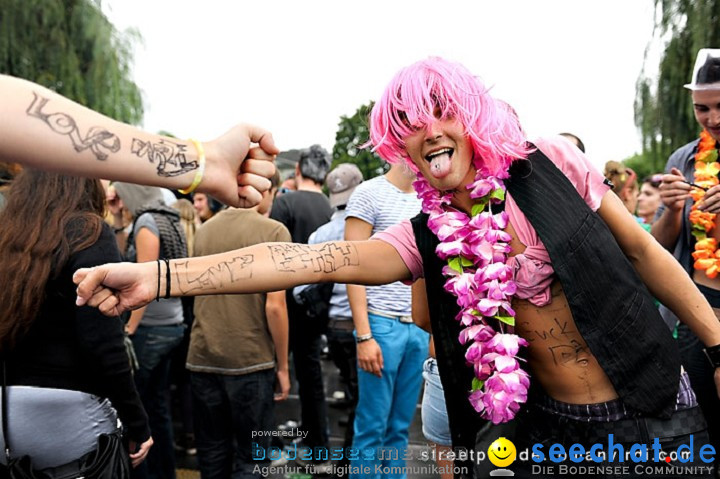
{"type": "Point", "coordinates": [361, 338]}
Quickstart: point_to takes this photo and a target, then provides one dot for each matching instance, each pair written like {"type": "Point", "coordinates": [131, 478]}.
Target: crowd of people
{"type": "Point", "coordinates": [523, 292]}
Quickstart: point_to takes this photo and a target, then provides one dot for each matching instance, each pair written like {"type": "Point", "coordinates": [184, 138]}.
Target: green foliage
{"type": "Point", "coordinates": [70, 47]}
{"type": "Point", "coordinates": [352, 133]}
{"type": "Point", "coordinates": [643, 165]}
{"type": "Point", "coordinates": [663, 108]}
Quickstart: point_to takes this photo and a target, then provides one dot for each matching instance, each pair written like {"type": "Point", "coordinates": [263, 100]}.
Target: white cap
{"type": "Point", "coordinates": [706, 74]}
{"type": "Point", "coordinates": [341, 182]}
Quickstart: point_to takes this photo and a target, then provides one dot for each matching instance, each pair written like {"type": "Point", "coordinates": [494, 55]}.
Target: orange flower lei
{"type": "Point", "coordinates": [706, 255]}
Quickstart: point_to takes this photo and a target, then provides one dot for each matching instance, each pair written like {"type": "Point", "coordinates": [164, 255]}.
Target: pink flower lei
{"type": "Point", "coordinates": [476, 250]}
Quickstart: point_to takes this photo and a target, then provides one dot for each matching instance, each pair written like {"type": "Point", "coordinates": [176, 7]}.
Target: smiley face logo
{"type": "Point", "coordinates": [502, 452]}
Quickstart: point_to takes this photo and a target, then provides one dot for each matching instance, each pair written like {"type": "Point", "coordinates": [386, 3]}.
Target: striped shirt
{"type": "Point", "coordinates": [381, 204]}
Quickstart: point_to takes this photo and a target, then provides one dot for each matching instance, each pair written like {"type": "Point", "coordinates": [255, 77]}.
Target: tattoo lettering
{"type": "Point", "coordinates": [297, 257]}
{"type": "Point", "coordinates": [214, 277]}
{"type": "Point", "coordinates": [170, 157]}
{"type": "Point", "coordinates": [556, 332]}
{"type": "Point", "coordinates": [575, 352]}
{"type": "Point", "coordinates": [99, 140]}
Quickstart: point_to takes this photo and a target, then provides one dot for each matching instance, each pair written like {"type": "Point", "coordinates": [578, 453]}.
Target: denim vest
{"type": "Point", "coordinates": [611, 306]}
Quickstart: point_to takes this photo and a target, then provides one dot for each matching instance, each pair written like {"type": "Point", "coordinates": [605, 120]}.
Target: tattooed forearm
{"type": "Point", "coordinates": [215, 276]}
{"type": "Point", "coordinates": [99, 140]}
{"type": "Point", "coordinates": [329, 258]}
{"type": "Point", "coordinates": [169, 157]}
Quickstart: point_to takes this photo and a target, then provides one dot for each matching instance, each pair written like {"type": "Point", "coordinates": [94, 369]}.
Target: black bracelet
{"type": "Point", "coordinates": [713, 355]}
{"type": "Point", "coordinates": [167, 278]}
{"type": "Point", "coordinates": [157, 296]}
{"type": "Point", "coordinates": [361, 338]}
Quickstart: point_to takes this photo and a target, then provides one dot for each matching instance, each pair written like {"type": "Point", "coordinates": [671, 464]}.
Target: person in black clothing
{"type": "Point", "coordinates": [67, 369]}
{"type": "Point", "coordinates": [302, 212]}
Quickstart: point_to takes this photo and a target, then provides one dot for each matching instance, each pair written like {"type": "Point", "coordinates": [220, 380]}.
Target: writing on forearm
{"type": "Point", "coordinates": [214, 277]}
{"type": "Point", "coordinates": [98, 140]}
{"type": "Point", "coordinates": [169, 157]}
{"type": "Point", "coordinates": [328, 258]}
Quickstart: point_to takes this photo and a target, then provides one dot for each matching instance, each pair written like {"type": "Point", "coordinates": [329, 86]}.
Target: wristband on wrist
{"type": "Point", "coordinates": [157, 295]}
{"type": "Point", "coordinates": [201, 168]}
{"type": "Point", "coordinates": [713, 355]}
{"type": "Point", "coordinates": [361, 338]}
{"type": "Point", "coordinates": [167, 278]}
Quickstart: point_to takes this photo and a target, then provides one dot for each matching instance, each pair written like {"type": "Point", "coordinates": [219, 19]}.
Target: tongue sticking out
{"type": "Point", "coordinates": [440, 165]}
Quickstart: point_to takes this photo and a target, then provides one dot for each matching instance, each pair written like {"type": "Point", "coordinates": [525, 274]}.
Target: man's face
{"type": "Point", "coordinates": [706, 104]}
{"type": "Point", "coordinates": [200, 202]}
{"type": "Point", "coordinates": [442, 153]}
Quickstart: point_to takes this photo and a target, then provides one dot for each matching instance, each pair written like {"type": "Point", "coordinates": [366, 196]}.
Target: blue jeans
{"type": "Point", "coordinates": [153, 347]}
{"type": "Point", "coordinates": [226, 410]}
{"type": "Point", "coordinates": [386, 405]}
{"type": "Point", "coordinates": [435, 423]}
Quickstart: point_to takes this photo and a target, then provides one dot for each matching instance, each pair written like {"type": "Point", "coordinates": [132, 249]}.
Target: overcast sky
{"type": "Point", "coordinates": [296, 66]}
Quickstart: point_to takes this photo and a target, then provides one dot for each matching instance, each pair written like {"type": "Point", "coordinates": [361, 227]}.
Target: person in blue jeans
{"type": "Point", "coordinates": [390, 348]}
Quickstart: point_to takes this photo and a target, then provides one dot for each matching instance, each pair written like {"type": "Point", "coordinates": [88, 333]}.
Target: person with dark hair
{"type": "Point", "coordinates": [8, 171]}
{"type": "Point", "coordinates": [512, 233]}
{"type": "Point", "coordinates": [649, 198]}
{"type": "Point", "coordinates": [685, 225]}
{"type": "Point", "coordinates": [206, 206]}
{"type": "Point", "coordinates": [45, 130]}
{"type": "Point", "coordinates": [67, 372]}
{"type": "Point", "coordinates": [302, 212]}
{"type": "Point", "coordinates": [575, 140]}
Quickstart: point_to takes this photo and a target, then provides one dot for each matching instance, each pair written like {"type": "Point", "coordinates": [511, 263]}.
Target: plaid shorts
{"type": "Point", "coordinates": [609, 411]}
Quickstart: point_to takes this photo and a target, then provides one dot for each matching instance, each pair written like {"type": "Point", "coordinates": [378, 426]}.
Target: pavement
{"type": "Point", "coordinates": [419, 463]}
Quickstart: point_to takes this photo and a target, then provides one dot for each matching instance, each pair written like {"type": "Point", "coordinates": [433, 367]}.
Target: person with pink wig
{"type": "Point", "coordinates": [535, 274]}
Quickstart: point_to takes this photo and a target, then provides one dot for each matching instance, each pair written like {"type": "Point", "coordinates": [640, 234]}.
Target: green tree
{"type": "Point", "coordinates": [663, 108]}
{"type": "Point", "coordinates": [70, 47]}
{"type": "Point", "coordinates": [352, 133]}
{"type": "Point", "coordinates": [641, 165]}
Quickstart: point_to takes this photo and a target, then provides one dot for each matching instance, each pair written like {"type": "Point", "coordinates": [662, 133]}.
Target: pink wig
{"type": "Point", "coordinates": [414, 97]}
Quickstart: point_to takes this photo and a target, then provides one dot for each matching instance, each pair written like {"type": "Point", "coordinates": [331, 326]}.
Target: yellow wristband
{"type": "Point", "coordinates": [201, 169]}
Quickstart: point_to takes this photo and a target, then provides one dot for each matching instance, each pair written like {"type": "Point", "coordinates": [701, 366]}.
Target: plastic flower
{"type": "Point", "coordinates": [706, 175]}
{"type": "Point", "coordinates": [476, 250]}
{"type": "Point", "coordinates": [477, 332]}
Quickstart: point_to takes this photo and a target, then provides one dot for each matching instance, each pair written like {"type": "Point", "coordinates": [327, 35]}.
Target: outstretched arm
{"type": "Point", "coordinates": [662, 274]}
{"type": "Point", "coordinates": [47, 131]}
{"type": "Point", "coordinates": [115, 288]}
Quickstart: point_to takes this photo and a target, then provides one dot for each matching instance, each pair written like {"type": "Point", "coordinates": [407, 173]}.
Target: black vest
{"type": "Point", "coordinates": [610, 304]}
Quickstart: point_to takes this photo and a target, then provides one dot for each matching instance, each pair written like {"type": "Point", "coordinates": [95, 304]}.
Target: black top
{"type": "Point", "coordinates": [302, 212]}
{"type": "Point", "coordinates": [611, 306]}
{"type": "Point", "coordinates": [78, 348]}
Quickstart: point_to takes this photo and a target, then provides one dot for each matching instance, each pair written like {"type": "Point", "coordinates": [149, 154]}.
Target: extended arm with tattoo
{"type": "Point", "coordinates": [45, 130]}
{"type": "Point", "coordinates": [115, 288]}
